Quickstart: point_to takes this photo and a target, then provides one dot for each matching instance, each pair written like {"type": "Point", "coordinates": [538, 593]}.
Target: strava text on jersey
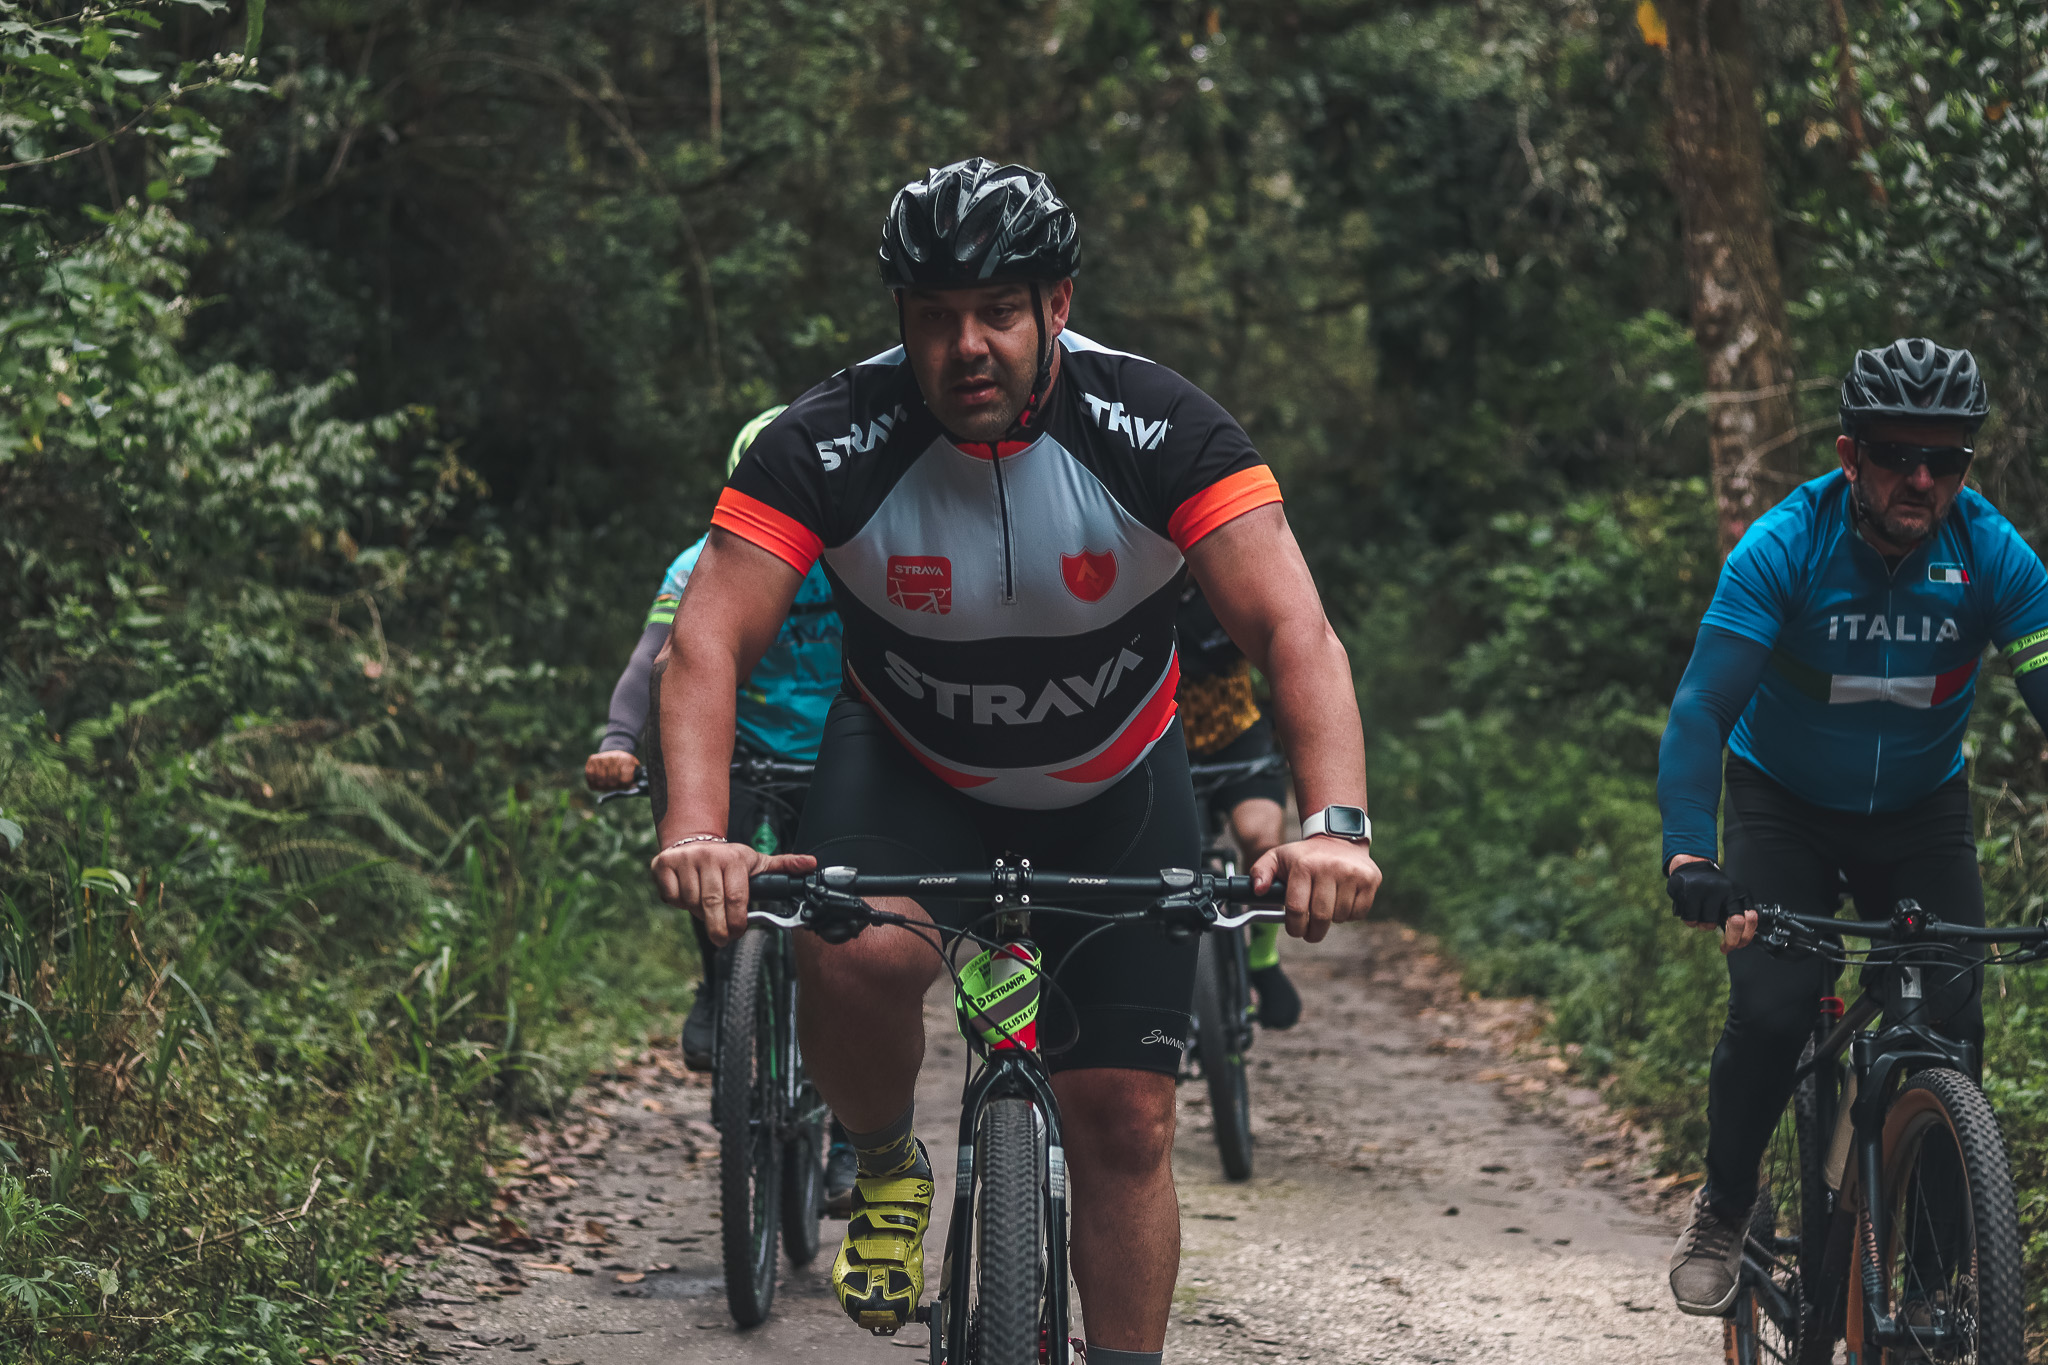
{"type": "Point", "coordinates": [1008, 606]}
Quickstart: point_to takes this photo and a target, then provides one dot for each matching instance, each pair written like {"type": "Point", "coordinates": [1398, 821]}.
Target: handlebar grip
{"type": "Point", "coordinates": [774, 886]}
{"type": "Point", "coordinates": [1238, 890]}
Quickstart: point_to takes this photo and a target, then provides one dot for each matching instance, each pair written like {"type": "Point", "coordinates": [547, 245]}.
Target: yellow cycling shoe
{"type": "Point", "coordinates": [879, 1275]}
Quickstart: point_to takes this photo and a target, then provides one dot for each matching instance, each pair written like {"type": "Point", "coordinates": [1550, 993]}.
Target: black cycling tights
{"type": "Point", "coordinates": [1784, 851]}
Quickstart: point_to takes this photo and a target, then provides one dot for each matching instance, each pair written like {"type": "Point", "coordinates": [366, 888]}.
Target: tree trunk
{"type": "Point", "coordinates": [1738, 306]}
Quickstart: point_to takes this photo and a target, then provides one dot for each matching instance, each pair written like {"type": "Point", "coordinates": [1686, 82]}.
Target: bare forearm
{"type": "Point", "coordinates": [694, 687]}
{"type": "Point", "coordinates": [1315, 707]}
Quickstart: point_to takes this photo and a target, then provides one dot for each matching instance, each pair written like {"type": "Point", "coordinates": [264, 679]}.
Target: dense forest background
{"type": "Point", "coordinates": [363, 362]}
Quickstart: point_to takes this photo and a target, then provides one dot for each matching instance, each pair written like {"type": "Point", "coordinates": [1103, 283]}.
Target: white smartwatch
{"type": "Point", "coordinates": [1340, 822]}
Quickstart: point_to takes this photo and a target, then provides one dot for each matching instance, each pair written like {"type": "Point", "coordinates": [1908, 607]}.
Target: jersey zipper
{"type": "Point", "coordinates": [1003, 516]}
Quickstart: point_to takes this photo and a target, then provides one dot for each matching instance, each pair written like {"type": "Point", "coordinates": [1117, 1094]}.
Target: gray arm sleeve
{"type": "Point", "coordinates": [630, 700]}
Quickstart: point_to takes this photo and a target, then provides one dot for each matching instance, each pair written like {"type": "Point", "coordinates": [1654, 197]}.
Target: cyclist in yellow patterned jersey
{"type": "Point", "coordinates": [1220, 717]}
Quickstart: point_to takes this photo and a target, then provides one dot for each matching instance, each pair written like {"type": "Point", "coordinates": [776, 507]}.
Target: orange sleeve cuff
{"type": "Point", "coordinates": [755, 522]}
{"type": "Point", "coordinates": [1225, 500]}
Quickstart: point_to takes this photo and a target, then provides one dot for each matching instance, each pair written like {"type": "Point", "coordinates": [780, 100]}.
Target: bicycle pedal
{"type": "Point", "coordinates": [923, 1314]}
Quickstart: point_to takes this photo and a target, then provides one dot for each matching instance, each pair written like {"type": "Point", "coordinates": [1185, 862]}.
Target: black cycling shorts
{"type": "Point", "coordinates": [1122, 1000]}
{"type": "Point", "coordinates": [1256, 742]}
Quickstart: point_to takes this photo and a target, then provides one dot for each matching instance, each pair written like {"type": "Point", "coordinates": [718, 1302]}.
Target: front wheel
{"type": "Point", "coordinates": [746, 1087]}
{"type": "Point", "coordinates": [1006, 1318]}
{"type": "Point", "coordinates": [1951, 1261]}
{"type": "Point", "coordinates": [1221, 995]}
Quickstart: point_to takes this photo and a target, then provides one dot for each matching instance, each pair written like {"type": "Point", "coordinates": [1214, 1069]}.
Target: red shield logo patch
{"type": "Point", "coordinates": [921, 583]}
{"type": "Point", "coordinates": [1089, 576]}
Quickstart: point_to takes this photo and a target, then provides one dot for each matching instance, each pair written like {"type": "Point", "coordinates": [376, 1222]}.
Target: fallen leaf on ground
{"type": "Point", "coordinates": [547, 1265]}
{"type": "Point", "coordinates": [629, 1277]}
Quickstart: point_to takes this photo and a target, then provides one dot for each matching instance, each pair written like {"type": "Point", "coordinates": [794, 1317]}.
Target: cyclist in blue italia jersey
{"type": "Point", "coordinates": [1837, 662]}
{"type": "Point", "coordinates": [779, 712]}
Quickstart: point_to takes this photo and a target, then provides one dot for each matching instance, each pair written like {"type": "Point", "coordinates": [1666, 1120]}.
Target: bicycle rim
{"type": "Point", "coordinates": [1006, 1320]}
{"type": "Point", "coordinates": [747, 1091]}
{"type": "Point", "coordinates": [1952, 1254]}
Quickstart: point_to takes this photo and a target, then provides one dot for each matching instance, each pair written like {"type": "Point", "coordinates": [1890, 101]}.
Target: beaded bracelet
{"type": "Point", "coordinates": [697, 839]}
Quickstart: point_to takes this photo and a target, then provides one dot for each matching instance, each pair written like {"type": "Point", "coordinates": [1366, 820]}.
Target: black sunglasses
{"type": "Point", "coordinates": [1943, 462]}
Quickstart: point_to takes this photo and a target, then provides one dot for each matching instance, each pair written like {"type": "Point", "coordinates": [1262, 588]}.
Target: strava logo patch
{"type": "Point", "coordinates": [1089, 576]}
{"type": "Point", "coordinates": [921, 583]}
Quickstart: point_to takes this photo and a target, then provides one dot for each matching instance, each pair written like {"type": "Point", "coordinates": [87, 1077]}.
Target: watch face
{"type": "Point", "coordinates": [1345, 821]}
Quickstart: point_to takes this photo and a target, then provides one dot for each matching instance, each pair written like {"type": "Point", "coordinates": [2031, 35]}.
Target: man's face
{"type": "Point", "coordinates": [1904, 509]}
{"type": "Point", "coordinates": [975, 351]}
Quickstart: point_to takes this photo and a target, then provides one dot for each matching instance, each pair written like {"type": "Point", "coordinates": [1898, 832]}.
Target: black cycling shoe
{"type": "Point", "coordinates": [842, 1164]}
{"type": "Point", "coordinates": [700, 1031]}
{"type": "Point", "coordinates": [1279, 1002]}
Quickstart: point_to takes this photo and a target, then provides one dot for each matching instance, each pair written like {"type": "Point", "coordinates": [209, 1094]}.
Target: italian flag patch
{"type": "Point", "coordinates": [1947, 573]}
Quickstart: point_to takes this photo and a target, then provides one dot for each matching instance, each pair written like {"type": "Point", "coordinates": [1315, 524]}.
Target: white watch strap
{"type": "Point", "coordinates": [1314, 825]}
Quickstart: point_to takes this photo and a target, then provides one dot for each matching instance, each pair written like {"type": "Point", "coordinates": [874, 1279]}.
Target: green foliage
{"type": "Point", "coordinates": [286, 928]}
{"type": "Point", "coordinates": [355, 388]}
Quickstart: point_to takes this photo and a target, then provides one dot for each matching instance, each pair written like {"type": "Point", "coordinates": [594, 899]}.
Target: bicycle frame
{"type": "Point", "coordinates": [1878, 1062]}
{"type": "Point", "coordinates": [829, 902]}
{"type": "Point", "coordinates": [1851, 1277]}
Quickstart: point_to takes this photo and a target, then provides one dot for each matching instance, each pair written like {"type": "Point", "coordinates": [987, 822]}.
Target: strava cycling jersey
{"type": "Point", "coordinates": [1873, 666]}
{"type": "Point", "coordinates": [1008, 606]}
{"type": "Point", "coordinates": [780, 708]}
{"type": "Point", "coordinates": [1217, 703]}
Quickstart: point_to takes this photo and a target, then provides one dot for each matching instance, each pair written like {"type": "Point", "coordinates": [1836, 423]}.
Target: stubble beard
{"type": "Point", "coordinates": [1889, 527]}
{"type": "Point", "coordinates": [990, 423]}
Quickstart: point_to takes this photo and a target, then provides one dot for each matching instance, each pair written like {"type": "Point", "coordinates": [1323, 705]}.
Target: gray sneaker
{"type": "Point", "coordinates": [1706, 1265]}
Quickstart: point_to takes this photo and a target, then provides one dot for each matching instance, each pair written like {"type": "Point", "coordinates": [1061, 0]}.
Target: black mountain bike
{"type": "Point", "coordinates": [1888, 1217]}
{"type": "Point", "coordinates": [1002, 1295]}
{"type": "Point", "coordinates": [1223, 1007]}
{"type": "Point", "coordinates": [770, 1119]}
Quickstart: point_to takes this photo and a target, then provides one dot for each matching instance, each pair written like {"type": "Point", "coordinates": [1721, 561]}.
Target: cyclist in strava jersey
{"type": "Point", "coordinates": [1837, 662]}
{"type": "Point", "coordinates": [1220, 716]}
{"type": "Point", "coordinates": [779, 713]}
{"type": "Point", "coordinates": [1006, 512]}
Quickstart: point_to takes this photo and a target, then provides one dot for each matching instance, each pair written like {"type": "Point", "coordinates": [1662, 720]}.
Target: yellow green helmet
{"type": "Point", "coordinates": [748, 433]}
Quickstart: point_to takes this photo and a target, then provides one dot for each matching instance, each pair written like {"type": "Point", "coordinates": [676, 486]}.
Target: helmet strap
{"type": "Point", "coordinates": [1042, 379]}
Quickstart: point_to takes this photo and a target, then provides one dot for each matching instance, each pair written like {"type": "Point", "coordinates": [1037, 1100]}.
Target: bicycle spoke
{"type": "Point", "coordinates": [1933, 1279]}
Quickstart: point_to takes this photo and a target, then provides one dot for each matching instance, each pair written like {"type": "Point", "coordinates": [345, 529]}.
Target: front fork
{"type": "Point", "coordinates": [1005, 1075]}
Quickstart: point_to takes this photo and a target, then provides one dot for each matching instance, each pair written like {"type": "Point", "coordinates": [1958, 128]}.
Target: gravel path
{"type": "Point", "coordinates": [1403, 1211]}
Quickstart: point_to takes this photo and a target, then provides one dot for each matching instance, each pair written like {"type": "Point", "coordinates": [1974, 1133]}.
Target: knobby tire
{"type": "Point", "coordinates": [744, 1099]}
{"type": "Point", "coordinates": [1220, 996]}
{"type": "Point", "coordinates": [1009, 1226]}
{"type": "Point", "coordinates": [1940, 1116]}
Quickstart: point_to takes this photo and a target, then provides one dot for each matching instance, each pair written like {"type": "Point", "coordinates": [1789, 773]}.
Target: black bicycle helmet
{"type": "Point", "coordinates": [975, 223]}
{"type": "Point", "coordinates": [1913, 380]}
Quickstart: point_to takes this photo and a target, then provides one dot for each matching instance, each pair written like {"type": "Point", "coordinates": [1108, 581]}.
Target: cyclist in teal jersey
{"type": "Point", "coordinates": [779, 712]}
{"type": "Point", "coordinates": [1837, 664]}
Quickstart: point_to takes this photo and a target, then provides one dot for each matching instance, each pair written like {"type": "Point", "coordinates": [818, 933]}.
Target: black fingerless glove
{"type": "Point", "coordinates": [1701, 893]}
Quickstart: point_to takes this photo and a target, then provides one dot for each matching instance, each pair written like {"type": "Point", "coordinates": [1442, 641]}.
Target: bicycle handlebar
{"type": "Point", "coordinates": [1183, 898]}
{"type": "Point", "coordinates": [746, 769]}
{"type": "Point", "coordinates": [1778, 927]}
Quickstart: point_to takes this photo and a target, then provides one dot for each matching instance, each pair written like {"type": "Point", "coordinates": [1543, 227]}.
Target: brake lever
{"type": "Point", "coordinates": [637, 789]}
{"type": "Point", "coordinates": [1183, 914]}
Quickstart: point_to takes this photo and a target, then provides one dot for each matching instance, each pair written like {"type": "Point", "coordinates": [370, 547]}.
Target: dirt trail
{"type": "Point", "coordinates": [1403, 1211]}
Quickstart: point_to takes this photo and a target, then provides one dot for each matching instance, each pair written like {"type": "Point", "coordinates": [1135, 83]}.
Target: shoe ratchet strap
{"type": "Point", "coordinates": [998, 997]}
